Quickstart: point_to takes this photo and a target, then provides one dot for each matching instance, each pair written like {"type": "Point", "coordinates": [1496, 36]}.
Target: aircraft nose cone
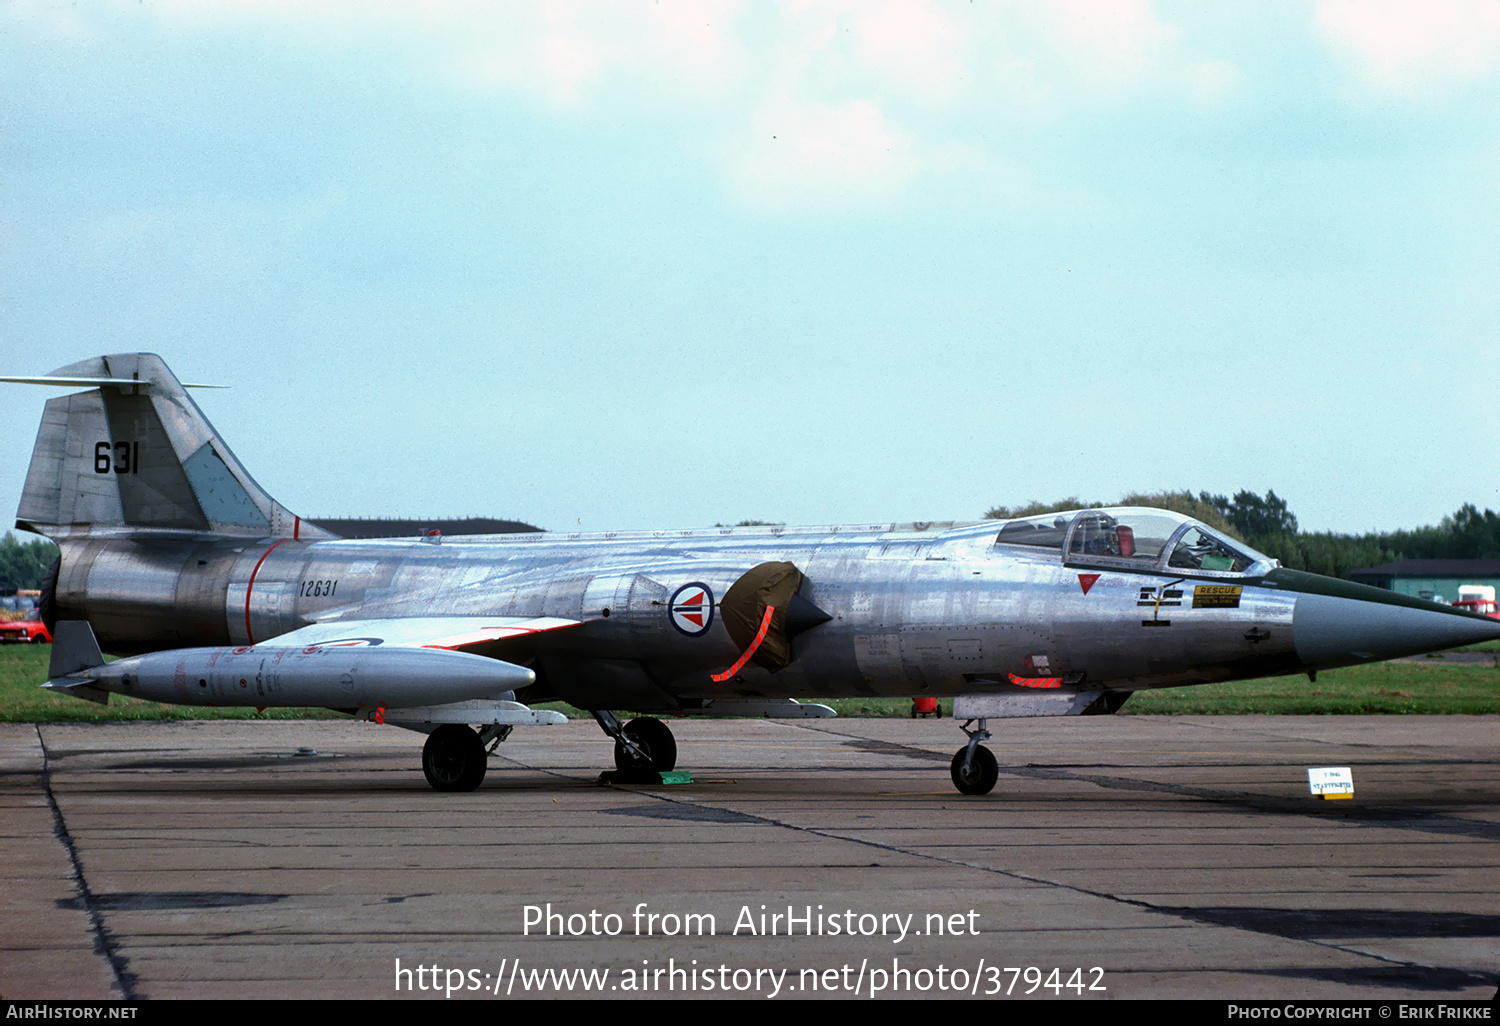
{"type": "Point", "coordinates": [1333, 631]}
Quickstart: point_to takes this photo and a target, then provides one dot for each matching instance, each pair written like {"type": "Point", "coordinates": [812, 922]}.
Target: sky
{"type": "Point", "coordinates": [633, 265]}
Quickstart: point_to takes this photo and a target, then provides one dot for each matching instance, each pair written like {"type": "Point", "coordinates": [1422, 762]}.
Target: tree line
{"type": "Point", "coordinates": [1266, 524]}
{"type": "Point", "coordinates": [24, 564]}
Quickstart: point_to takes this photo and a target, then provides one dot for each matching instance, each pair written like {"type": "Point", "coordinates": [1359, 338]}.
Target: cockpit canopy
{"type": "Point", "coordinates": [1136, 539]}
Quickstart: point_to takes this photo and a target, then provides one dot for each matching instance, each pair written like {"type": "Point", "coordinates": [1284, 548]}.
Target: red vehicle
{"type": "Point", "coordinates": [28, 631]}
{"type": "Point", "coordinates": [1478, 598]}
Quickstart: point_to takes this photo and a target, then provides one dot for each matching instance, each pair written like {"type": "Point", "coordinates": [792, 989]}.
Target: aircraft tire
{"type": "Point", "coordinates": [982, 773]}
{"type": "Point", "coordinates": [454, 758]}
{"type": "Point", "coordinates": [656, 738]}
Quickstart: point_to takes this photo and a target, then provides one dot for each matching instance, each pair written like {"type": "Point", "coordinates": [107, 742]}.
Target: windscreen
{"type": "Point", "coordinates": [1199, 550]}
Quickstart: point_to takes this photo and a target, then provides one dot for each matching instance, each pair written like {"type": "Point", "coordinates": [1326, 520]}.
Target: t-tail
{"type": "Point", "coordinates": [134, 455]}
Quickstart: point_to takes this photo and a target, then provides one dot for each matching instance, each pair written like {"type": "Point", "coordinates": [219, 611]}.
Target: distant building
{"type": "Point", "coordinates": [378, 527]}
{"type": "Point", "coordinates": [1430, 578]}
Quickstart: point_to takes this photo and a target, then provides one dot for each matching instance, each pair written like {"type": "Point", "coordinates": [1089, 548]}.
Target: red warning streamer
{"type": "Point", "coordinates": [1035, 682]}
{"type": "Point", "coordinates": [765, 625]}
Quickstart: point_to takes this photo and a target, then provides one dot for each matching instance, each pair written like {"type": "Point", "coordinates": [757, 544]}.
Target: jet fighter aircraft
{"type": "Point", "coordinates": [173, 556]}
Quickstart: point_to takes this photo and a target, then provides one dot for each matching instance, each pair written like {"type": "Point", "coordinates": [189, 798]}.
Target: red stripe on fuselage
{"type": "Point", "coordinates": [251, 584]}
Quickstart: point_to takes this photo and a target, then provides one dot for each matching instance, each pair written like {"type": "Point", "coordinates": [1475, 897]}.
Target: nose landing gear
{"type": "Point", "coordinates": [974, 768]}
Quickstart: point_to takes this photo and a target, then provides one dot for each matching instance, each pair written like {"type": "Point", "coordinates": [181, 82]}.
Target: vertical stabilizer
{"type": "Point", "coordinates": [134, 452]}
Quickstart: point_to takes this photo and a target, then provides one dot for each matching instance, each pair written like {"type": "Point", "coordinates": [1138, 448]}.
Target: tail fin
{"type": "Point", "coordinates": [135, 453]}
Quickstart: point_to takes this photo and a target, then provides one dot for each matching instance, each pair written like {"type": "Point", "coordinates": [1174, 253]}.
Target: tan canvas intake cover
{"type": "Point", "coordinates": [744, 606]}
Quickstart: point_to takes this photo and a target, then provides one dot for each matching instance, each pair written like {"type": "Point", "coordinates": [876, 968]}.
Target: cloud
{"type": "Point", "coordinates": [572, 54]}
{"type": "Point", "coordinates": [1403, 47]}
{"type": "Point", "coordinates": [837, 105]}
{"type": "Point", "coordinates": [798, 154]}
{"type": "Point", "coordinates": [911, 46]}
{"type": "Point", "coordinates": [1112, 44]}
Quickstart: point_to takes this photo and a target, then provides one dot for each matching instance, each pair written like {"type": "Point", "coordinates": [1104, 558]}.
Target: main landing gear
{"type": "Point", "coordinates": [644, 745]}
{"type": "Point", "coordinates": [641, 746]}
{"type": "Point", "coordinates": [974, 768]}
{"type": "Point", "coordinates": [455, 756]}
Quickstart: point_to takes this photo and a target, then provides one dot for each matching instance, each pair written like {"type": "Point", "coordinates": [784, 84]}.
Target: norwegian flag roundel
{"type": "Point", "coordinates": [691, 609]}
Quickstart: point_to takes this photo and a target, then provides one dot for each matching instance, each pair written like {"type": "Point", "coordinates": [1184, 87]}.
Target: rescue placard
{"type": "Point", "coordinates": [1216, 596]}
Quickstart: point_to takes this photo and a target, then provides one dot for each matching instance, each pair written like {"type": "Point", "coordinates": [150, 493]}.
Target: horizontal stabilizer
{"type": "Point", "coordinates": [60, 382]}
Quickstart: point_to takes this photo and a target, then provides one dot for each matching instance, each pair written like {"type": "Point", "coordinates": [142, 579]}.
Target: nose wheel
{"type": "Point", "coordinates": [974, 768]}
{"type": "Point", "coordinates": [976, 772]}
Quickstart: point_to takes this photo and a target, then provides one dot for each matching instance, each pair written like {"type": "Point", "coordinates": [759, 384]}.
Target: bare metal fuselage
{"type": "Point", "coordinates": [913, 609]}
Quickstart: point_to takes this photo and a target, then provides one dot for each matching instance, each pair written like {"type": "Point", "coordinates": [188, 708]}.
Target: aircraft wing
{"type": "Point", "coordinates": [451, 632]}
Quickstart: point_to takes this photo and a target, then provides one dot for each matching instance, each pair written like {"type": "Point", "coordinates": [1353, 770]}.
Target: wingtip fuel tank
{"type": "Point", "coordinates": [347, 675]}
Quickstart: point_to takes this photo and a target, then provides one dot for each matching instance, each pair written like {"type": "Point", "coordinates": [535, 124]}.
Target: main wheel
{"type": "Point", "coordinates": [655, 738]}
{"type": "Point", "coordinates": [453, 758]}
{"type": "Point", "coordinates": [983, 771]}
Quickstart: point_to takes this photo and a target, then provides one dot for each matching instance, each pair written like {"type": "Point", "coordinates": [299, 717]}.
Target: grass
{"type": "Point", "coordinates": [1377, 688]}
{"type": "Point", "coordinates": [1426, 687]}
{"type": "Point", "coordinates": [1490, 647]}
{"type": "Point", "coordinates": [24, 667]}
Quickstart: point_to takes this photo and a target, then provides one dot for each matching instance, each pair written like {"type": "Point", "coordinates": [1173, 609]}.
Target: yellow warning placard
{"type": "Point", "coordinates": [1216, 596]}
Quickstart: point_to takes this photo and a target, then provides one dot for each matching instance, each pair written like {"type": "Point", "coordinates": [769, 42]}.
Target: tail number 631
{"type": "Point", "coordinates": [126, 457]}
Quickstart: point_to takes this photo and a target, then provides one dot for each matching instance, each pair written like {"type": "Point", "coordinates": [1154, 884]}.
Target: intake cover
{"type": "Point", "coordinates": [744, 607]}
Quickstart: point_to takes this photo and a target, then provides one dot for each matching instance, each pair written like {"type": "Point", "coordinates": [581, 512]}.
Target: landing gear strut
{"type": "Point", "coordinates": [974, 768]}
{"type": "Point", "coordinates": [644, 745]}
{"type": "Point", "coordinates": [454, 758]}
